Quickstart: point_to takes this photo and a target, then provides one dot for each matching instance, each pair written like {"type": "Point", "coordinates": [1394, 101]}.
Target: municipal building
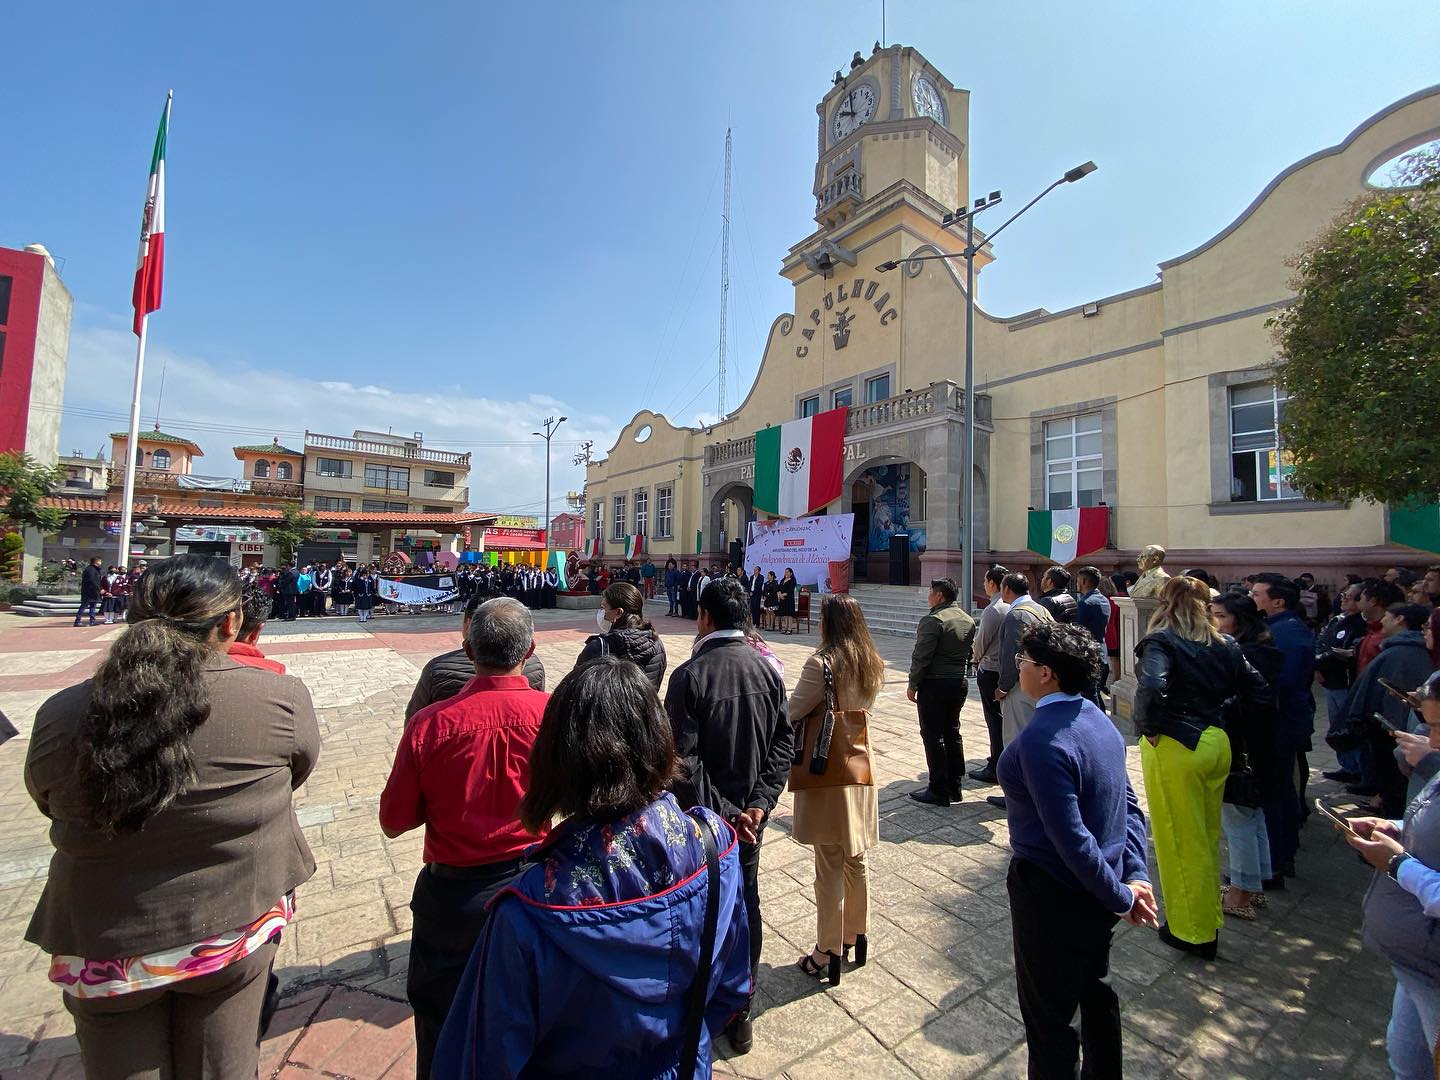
{"type": "Point", "coordinates": [1155, 402]}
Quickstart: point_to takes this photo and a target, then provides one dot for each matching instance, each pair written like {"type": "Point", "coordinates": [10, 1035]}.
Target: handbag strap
{"type": "Point", "coordinates": [829, 683]}
{"type": "Point", "coordinates": [700, 989]}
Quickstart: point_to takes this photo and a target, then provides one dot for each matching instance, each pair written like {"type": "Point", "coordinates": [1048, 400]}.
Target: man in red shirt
{"type": "Point", "coordinates": [1375, 599]}
{"type": "Point", "coordinates": [255, 609]}
{"type": "Point", "coordinates": [461, 769]}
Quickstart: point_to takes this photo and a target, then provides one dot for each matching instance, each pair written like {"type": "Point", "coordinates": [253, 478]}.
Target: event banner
{"type": "Point", "coordinates": [419, 589]}
{"type": "Point", "coordinates": [817, 549]}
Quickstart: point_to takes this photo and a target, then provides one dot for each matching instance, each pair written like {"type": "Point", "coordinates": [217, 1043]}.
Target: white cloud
{"type": "Point", "coordinates": [221, 404]}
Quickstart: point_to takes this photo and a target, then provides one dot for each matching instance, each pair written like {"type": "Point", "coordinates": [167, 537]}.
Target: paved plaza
{"type": "Point", "coordinates": [1293, 995]}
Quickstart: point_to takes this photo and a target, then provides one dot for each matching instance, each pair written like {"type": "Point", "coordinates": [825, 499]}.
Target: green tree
{"type": "Point", "coordinates": [24, 482]}
{"type": "Point", "coordinates": [293, 529]}
{"type": "Point", "coordinates": [1360, 347]}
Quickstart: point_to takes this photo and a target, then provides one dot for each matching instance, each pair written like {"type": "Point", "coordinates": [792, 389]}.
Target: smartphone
{"type": "Point", "coordinates": [1401, 694]}
{"type": "Point", "coordinates": [1384, 721]}
{"type": "Point", "coordinates": [1334, 817]}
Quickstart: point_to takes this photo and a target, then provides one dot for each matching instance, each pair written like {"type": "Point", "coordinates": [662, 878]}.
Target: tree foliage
{"type": "Point", "coordinates": [1360, 347]}
{"type": "Point", "coordinates": [24, 482]}
{"type": "Point", "coordinates": [293, 529]}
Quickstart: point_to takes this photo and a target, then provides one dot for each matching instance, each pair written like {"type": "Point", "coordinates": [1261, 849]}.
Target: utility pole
{"type": "Point", "coordinates": [551, 426]}
{"type": "Point", "coordinates": [724, 271]}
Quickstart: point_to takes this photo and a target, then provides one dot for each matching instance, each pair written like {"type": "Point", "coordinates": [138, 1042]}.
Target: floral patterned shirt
{"type": "Point", "coordinates": [83, 978]}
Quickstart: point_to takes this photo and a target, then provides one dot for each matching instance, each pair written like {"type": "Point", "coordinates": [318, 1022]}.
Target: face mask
{"type": "Point", "coordinates": [600, 620]}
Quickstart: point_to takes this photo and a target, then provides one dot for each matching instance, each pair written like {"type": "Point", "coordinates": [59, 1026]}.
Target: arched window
{"type": "Point", "coordinates": [283, 470]}
{"type": "Point", "coordinates": [139, 456]}
{"type": "Point", "coordinates": [160, 459]}
{"type": "Point", "coordinates": [262, 468]}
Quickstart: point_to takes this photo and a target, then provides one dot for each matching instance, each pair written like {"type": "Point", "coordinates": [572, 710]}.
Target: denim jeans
{"type": "Point", "coordinates": [1249, 845]}
{"type": "Point", "coordinates": [1413, 1023]}
{"type": "Point", "coordinates": [1350, 760]}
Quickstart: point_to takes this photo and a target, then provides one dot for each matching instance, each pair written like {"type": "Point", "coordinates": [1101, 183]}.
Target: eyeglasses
{"type": "Point", "coordinates": [1021, 658]}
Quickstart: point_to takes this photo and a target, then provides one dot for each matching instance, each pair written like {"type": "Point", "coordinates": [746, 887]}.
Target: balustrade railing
{"type": "Point", "coordinates": [374, 449]}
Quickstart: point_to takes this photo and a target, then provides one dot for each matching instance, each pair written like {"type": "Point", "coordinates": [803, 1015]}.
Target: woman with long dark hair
{"type": "Point", "coordinates": [1187, 674]}
{"type": "Point", "coordinates": [625, 632]}
{"type": "Point", "coordinates": [841, 823]}
{"type": "Point", "coordinates": [1256, 762]}
{"type": "Point", "coordinates": [590, 960]}
{"type": "Point", "coordinates": [167, 777]}
{"type": "Point", "coordinates": [785, 592]}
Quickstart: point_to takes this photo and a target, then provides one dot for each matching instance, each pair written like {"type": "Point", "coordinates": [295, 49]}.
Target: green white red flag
{"type": "Point", "coordinates": [799, 466]}
{"type": "Point", "coordinates": [634, 546]}
{"type": "Point", "coordinates": [150, 266]}
{"type": "Point", "coordinates": [1063, 536]}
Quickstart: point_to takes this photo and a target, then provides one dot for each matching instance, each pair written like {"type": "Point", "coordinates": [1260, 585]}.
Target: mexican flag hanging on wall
{"type": "Point", "coordinates": [150, 264]}
{"type": "Point", "coordinates": [799, 466]}
{"type": "Point", "coordinates": [592, 549]}
{"type": "Point", "coordinates": [634, 546]}
{"type": "Point", "coordinates": [1065, 535]}
{"type": "Point", "coordinates": [699, 541]}
{"type": "Point", "coordinates": [1416, 526]}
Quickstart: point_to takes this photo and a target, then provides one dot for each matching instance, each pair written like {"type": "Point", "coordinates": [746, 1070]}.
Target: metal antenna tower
{"type": "Point", "coordinates": [724, 270]}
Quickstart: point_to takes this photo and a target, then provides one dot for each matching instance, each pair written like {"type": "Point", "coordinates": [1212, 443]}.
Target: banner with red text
{"type": "Point", "coordinates": [817, 549]}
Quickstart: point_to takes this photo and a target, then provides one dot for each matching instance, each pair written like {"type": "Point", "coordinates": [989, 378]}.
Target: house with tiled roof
{"type": "Point", "coordinates": [270, 461]}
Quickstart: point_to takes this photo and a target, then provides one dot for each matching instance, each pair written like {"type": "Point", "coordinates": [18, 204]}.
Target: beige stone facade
{"type": "Point", "coordinates": [1151, 401]}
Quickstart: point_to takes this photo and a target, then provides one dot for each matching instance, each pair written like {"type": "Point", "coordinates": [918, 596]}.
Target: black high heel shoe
{"type": "Point", "coordinates": [862, 950]}
{"type": "Point", "coordinates": [1206, 950]}
{"type": "Point", "coordinates": [831, 971]}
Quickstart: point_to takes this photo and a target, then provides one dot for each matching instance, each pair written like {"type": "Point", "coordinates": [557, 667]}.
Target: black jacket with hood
{"type": "Point", "coordinates": [642, 646]}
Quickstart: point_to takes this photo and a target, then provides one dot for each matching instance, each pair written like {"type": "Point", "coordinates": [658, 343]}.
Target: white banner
{"type": "Point", "coordinates": [817, 549]}
{"type": "Point", "coordinates": [402, 592]}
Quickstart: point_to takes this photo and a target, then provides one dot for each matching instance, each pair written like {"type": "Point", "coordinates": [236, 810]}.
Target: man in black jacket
{"type": "Point", "coordinates": [92, 584]}
{"type": "Point", "coordinates": [445, 675]}
{"type": "Point", "coordinates": [1055, 596]}
{"type": "Point", "coordinates": [733, 740]}
{"type": "Point", "coordinates": [288, 586]}
{"type": "Point", "coordinates": [1335, 668]}
{"type": "Point", "coordinates": [690, 592]}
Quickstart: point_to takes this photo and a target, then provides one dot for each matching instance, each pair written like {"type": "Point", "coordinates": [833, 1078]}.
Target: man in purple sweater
{"type": "Point", "coordinates": [1079, 843]}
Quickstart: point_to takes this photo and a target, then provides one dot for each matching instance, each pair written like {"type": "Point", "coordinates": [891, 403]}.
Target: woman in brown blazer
{"type": "Point", "coordinates": [841, 823]}
{"type": "Point", "coordinates": [168, 778]}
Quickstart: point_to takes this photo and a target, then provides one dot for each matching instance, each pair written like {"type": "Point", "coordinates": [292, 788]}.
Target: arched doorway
{"type": "Point", "coordinates": [888, 496]}
{"type": "Point", "coordinates": [732, 508]}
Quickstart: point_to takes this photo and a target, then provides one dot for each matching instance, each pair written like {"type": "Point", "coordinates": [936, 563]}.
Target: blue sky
{"type": "Point", "coordinates": [449, 218]}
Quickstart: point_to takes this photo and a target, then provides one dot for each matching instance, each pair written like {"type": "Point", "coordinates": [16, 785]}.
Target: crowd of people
{"type": "Point", "coordinates": [590, 896]}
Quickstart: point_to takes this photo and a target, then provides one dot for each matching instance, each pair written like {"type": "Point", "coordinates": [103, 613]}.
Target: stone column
{"type": "Point", "coordinates": [943, 464]}
{"type": "Point", "coordinates": [1135, 615]}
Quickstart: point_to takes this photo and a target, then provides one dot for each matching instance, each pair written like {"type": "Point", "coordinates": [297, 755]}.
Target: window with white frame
{"type": "Point", "coordinates": [160, 459]}
{"type": "Point", "coordinates": [642, 512]}
{"type": "Point", "coordinates": [664, 511]}
{"type": "Point", "coordinates": [1260, 467]}
{"type": "Point", "coordinates": [284, 471]}
{"type": "Point", "coordinates": [617, 522]}
{"type": "Point", "coordinates": [842, 398]}
{"type": "Point", "coordinates": [878, 388]}
{"type": "Point", "coordinates": [1074, 462]}
{"type": "Point", "coordinates": [809, 407]}
{"type": "Point", "coordinates": [597, 529]}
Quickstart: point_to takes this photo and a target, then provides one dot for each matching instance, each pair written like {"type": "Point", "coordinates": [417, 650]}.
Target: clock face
{"type": "Point", "coordinates": [928, 101]}
{"type": "Point", "coordinates": [855, 108]}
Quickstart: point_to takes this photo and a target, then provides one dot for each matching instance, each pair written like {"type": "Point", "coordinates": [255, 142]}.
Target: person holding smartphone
{"type": "Point", "coordinates": [1401, 907]}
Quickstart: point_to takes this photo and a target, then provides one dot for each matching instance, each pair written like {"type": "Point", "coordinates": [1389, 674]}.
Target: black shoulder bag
{"type": "Point", "coordinates": [700, 989]}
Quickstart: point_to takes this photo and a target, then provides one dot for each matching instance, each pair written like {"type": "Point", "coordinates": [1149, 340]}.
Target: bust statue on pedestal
{"type": "Point", "coordinates": [1152, 573]}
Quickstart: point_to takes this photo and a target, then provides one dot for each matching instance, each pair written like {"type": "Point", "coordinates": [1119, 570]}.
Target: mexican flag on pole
{"type": "Point", "coordinates": [634, 546]}
{"type": "Point", "coordinates": [799, 466]}
{"type": "Point", "coordinates": [1416, 525]}
{"type": "Point", "coordinates": [150, 265]}
{"type": "Point", "coordinates": [1063, 536]}
{"type": "Point", "coordinates": [699, 541]}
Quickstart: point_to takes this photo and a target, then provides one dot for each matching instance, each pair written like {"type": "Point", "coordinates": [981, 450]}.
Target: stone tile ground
{"type": "Point", "coordinates": [1291, 996]}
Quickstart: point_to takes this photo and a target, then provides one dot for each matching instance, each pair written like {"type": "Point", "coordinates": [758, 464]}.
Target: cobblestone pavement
{"type": "Point", "coordinates": [1292, 995]}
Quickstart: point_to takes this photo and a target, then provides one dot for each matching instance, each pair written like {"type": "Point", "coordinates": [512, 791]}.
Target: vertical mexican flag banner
{"type": "Point", "coordinates": [1416, 525]}
{"type": "Point", "coordinates": [699, 541]}
{"type": "Point", "coordinates": [150, 264]}
{"type": "Point", "coordinates": [1063, 536]}
{"type": "Point", "coordinates": [800, 466]}
{"type": "Point", "coordinates": [634, 546]}
{"type": "Point", "coordinates": [557, 562]}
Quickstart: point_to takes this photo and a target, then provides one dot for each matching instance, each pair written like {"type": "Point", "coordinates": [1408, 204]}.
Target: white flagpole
{"type": "Point", "coordinates": [127, 511]}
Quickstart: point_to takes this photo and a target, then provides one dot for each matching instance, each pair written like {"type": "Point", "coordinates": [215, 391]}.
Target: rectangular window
{"type": "Point", "coordinates": [843, 398]}
{"type": "Point", "coordinates": [380, 506]}
{"type": "Point", "coordinates": [334, 505]}
{"type": "Point", "coordinates": [5, 283]}
{"type": "Point", "coordinates": [617, 523]}
{"type": "Point", "coordinates": [436, 478]}
{"type": "Point", "coordinates": [597, 527]}
{"type": "Point", "coordinates": [329, 466]}
{"type": "Point", "coordinates": [877, 389]}
{"type": "Point", "coordinates": [1074, 462]}
{"type": "Point", "coordinates": [387, 477]}
{"type": "Point", "coordinates": [809, 407]}
{"type": "Point", "coordinates": [642, 512]}
{"type": "Point", "coordinates": [664, 511]}
{"type": "Point", "coordinates": [438, 509]}
{"type": "Point", "coordinates": [1260, 467]}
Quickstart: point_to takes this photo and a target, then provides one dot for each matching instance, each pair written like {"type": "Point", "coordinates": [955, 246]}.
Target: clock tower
{"type": "Point", "coordinates": [889, 119]}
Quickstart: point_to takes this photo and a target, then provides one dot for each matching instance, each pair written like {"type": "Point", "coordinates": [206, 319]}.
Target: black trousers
{"type": "Point", "coordinates": [1062, 963]}
{"type": "Point", "coordinates": [988, 682]}
{"type": "Point", "coordinates": [750, 875]}
{"type": "Point", "coordinates": [449, 919]}
{"type": "Point", "coordinates": [940, 703]}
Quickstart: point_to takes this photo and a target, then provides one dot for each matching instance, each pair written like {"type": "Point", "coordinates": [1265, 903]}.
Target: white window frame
{"type": "Point", "coordinates": [835, 397]}
{"type": "Point", "coordinates": [1258, 454]}
{"type": "Point", "coordinates": [617, 523]}
{"type": "Point", "coordinates": [284, 471]}
{"type": "Point", "coordinates": [165, 456]}
{"type": "Point", "coordinates": [875, 380]}
{"type": "Point", "coordinates": [812, 399]}
{"type": "Point", "coordinates": [1056, 434]}
{"type": "Point", "coordinates": [664, 511]}
{"type": "Point", "coordinates": [598, 520]}
{"type": "Point", "coordinates": [642, 510]}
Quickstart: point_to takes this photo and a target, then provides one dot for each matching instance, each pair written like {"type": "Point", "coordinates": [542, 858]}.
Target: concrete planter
{"type": "Point", "coordinates": [577, 601]}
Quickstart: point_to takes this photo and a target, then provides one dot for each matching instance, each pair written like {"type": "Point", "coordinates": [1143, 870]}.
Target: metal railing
{"type": "Point", "coordinates": [163, 479]}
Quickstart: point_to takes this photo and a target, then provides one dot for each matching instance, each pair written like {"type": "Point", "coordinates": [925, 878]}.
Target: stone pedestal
{"type": "Point", "coordinates": [1135, 614]}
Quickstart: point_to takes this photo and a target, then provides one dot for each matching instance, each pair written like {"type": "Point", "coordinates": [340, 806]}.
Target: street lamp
{"type": "Point", "coordinates": [551, 426]}
{"type": "Point", "coordinates": [967, 509]}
